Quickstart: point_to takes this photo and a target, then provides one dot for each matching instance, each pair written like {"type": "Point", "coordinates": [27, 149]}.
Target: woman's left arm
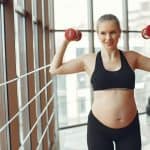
{"type": "Point", "coordinates": [142, 62]}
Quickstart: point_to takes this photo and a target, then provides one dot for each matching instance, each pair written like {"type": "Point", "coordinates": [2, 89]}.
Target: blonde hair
{"type": "Point", "coordinates": [108, 17]}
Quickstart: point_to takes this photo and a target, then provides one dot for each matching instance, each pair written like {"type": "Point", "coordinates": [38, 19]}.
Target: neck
{"type": "Point", "coordinates": [110, 54]}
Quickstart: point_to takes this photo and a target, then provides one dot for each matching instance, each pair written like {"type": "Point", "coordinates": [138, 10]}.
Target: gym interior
{"type": "Point", "coordinates": [43, 112]}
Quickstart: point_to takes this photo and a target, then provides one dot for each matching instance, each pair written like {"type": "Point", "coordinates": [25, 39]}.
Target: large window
{"type": "Point", "coordinates": [83, 14]}
{"type": "Point", "coordinates": [65, 17]}
{"type": "Point", "coordinates": [71, 13]}
{"type": "Point", "coordinates": [138, 19]}
{"type": "Point", "coordinates": [78, 14]}
{"type": "Point", "coordinates": [139, 14]}
{"type": "Point", "coordinates": [101, 7]}
{"type": "Point", "coordinates": [142, 77]}
{"type": "Point", "coordinates": [71, 87]}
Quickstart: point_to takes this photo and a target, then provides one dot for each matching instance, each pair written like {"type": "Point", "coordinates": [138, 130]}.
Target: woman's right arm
{"type": "Point", "coordinates": [72, 66]}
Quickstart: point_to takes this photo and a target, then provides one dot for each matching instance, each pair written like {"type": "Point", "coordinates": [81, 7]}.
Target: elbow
{"type": "Point", "coordinates": [52, 71]}
{"type": "Point", "coordinates": [55, 71]}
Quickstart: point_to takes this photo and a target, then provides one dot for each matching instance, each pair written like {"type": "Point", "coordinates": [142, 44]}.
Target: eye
{"type": "Point", "coordinates": [102, 33]}
{"type": "Point", "coordinates": [113, 32]}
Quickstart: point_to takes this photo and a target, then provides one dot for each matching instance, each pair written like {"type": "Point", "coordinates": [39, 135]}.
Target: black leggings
{"type": "Point", "coordinates": [101, 137]}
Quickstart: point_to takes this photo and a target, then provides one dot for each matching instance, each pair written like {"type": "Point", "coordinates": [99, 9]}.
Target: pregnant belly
{"type": "Point", "coordinates": [115, 115]}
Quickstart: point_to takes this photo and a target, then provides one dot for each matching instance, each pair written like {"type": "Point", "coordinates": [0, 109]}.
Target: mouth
{"type": "Point", "coordinates": [109, 44]}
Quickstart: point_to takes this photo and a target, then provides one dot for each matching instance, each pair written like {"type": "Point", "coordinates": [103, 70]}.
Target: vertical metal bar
{"type": "Point", "coordinates": [91, 34]}
{"type": "Point", "coordinates": [21, 68]}
{"type": "Point", "coordinates": [31, 77]}
{"type": "Point", "coordinates": [11, 73]}
{"type": "Point", "coordinates": [44, 58]}
{"type": "Point", "coordinates": [4, 137]}
{"type": "Point", "coordinates": [36, 65]}
{"type": "Point", "coordinates": [90, 25]}
{"type": "Point", "coordinates": [41, 73]}
{"type": "Point", "coordinates": [51, 9]}
{"type": "Point", "coordinates": [125, 24]}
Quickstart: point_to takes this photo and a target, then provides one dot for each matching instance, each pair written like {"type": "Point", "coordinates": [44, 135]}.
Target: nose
{"type": "Point", "coordinates": [108, 36]}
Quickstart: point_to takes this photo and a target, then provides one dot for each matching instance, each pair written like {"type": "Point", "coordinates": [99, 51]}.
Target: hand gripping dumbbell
{"type": "Point", "coordinates": [146, 32]}
{"type": "Point", "coordinates": [72, 34]}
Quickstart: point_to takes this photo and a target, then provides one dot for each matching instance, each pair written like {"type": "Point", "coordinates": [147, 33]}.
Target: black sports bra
{"type": "Point", "coordinates": [103, 79]}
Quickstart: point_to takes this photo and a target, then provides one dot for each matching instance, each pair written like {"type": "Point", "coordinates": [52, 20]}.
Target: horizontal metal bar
{"type": "Point", "coordinates": [132, 31]}
{"type": "Point", "coordinates": [24, 75]}
{"type": "Point", "coordinates": [44, 132]}
{"type": "Point", "coordinates": [72, 126]}
{"type": "Point", "coordinates": [36, 122]}
{"type": "Point", "coordinates": [24, 107]}
{"type": "Point", "coordinates": [62, 30]}
{"type": "Point", "coordinates": [142, 113]}
{"type": "Point", "coordinates": [19, 10]}
{"type": "Point", "coordinates": [86, 30]}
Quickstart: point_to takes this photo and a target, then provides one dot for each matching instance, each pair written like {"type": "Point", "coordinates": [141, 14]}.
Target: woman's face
{"type": "Point", "coordinates": [109, 34]}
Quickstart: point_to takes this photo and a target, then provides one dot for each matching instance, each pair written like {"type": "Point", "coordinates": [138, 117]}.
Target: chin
{"type": "Point", "coordinates": [110, 48]}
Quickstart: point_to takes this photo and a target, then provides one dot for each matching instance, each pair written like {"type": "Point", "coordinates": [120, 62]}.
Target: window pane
{"type": "Point", "coordinates": [62, 110]}
{"type": "Point", "coordinates": [19, 3]}
{"type": "Point", "coordinates": [107, 6]}
{"type": "Point", "coordinates": [70, 13]}
{"type": "Point", "coordinates": [82, 105]}
{"type": "Point", "coordinates": [62, 82]}
{"type": "Point", "coordinates": [73, 90]}
{"type": "Point", "coordinates": [139, 14]}
{"type": "Point", "coordinates": [142, 77]}
{"type": "Point", "coordinates": [82, 81]}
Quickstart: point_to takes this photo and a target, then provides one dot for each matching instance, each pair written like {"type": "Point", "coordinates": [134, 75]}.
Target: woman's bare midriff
{"type": "Point", "coordinates": [114, 108]}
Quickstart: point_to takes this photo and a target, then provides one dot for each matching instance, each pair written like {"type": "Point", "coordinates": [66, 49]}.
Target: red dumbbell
{"type": "Point", "coordinates": [72, 34]}
{"type": "Point", "coordinates": [146, 32]}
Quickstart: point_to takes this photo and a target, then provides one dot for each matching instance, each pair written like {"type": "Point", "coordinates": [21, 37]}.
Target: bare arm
{"type": "Point", "coordinates": [142, 62]}
{"type": "Point", "coordinates": [72, 66]}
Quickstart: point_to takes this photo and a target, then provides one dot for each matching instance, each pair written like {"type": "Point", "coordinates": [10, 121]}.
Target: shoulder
{"type": "Point", "coordinates": [138, 60]}
{"type": "Point", "coordinates": [89, 62]}
{"type": "Point", "coordinates": [130, 54]}
{"type": "Point", "coordinates": [88, 57]}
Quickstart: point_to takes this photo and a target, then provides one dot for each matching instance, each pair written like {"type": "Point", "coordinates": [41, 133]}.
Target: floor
{"type": "Point", "coordinates": [75, 138]}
